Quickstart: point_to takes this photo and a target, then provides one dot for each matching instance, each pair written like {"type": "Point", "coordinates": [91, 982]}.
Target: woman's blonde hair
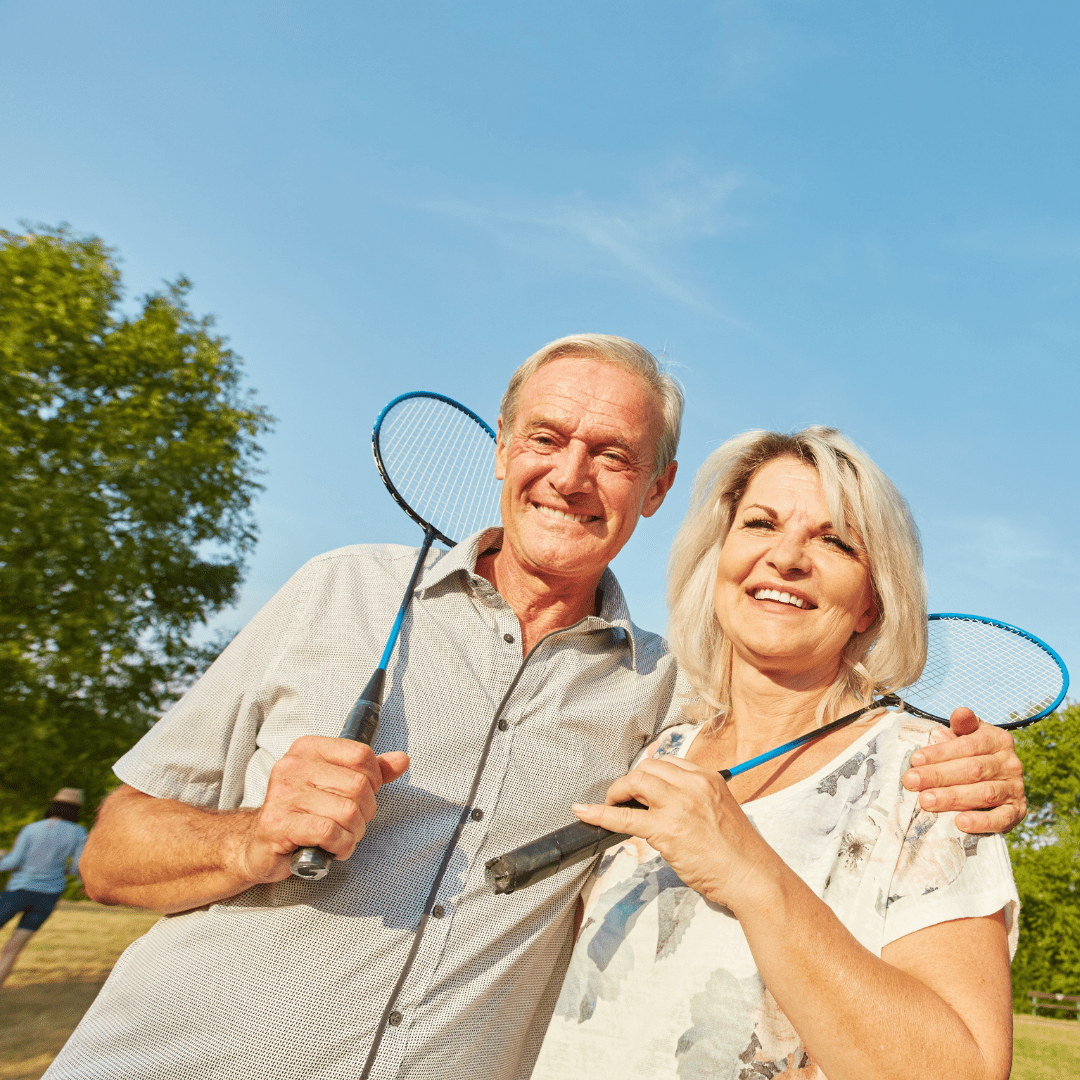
{"type": "Point", "coordinates": [860, 498]}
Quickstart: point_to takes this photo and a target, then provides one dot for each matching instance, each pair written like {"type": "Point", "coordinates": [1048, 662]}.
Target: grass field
{"type": "Point", "coordinates": [63, 967]}
{"type": "Point", "coordinates": [57, 976]}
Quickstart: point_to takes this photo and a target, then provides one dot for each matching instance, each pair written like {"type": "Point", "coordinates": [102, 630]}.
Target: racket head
{"type": "Point", "coordinates": [437, 459]}
{"type": "Point", "coordinates": [1010, 678]}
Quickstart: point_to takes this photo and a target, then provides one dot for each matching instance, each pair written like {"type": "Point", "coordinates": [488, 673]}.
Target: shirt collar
{"type": "Point", "coordinates": [614, 614]}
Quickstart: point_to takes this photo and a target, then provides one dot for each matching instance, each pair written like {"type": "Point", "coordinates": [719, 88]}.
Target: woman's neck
{"type": "Point", "coordinates": [769, 709]}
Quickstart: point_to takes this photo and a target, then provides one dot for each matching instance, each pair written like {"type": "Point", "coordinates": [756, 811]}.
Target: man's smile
{"type": "Point", "coordinates": [563, 515]}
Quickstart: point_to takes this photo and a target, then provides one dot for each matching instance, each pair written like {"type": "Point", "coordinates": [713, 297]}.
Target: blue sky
{"type": "Point", "coordinates": [863, 214]}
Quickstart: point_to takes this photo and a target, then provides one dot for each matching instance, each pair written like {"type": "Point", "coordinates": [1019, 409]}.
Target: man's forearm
{"type": "Point", "coordinates": [163, 854]}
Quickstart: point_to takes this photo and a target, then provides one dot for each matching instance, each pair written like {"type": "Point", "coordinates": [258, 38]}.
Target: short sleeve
{"type": "Point", "coordinates": [199, 750]}
{"type": "Point", "coordinates": [944, 874]}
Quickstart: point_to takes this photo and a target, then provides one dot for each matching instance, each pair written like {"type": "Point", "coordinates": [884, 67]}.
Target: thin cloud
{"type": "Point", "coordinates": [638, 237]}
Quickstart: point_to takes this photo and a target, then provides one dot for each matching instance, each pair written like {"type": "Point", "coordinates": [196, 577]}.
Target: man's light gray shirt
{"type": "Point", "coordinates": [293, 980]}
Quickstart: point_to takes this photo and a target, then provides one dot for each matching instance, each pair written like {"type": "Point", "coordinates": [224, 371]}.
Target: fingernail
{"type": "Point", "coordinates": [963, 822]}
{"type": "Point", "coordinates": [928, 800]}
{"type": "Point", "coordinates": [577, 807]}
{"type": "Point", "coordinates": [910, 780]}
{"type": "Point", "coordinates": [918, 758]}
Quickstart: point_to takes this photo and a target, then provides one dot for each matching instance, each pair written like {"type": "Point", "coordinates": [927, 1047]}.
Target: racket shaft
{"type": "Point", "coordinates": [564, 847]}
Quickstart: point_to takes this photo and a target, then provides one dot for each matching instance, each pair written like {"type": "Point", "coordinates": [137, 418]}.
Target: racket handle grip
{"type": "Point", "coordinates": [530, 863]}
{"type": "Point", "coordinates": [312, 863]}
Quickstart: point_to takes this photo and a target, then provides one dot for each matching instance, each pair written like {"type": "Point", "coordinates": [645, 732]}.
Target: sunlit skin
{"type": "Point", "coordinates": [783, 540]}
{"type": "Point", "coordinates": [582, 444]}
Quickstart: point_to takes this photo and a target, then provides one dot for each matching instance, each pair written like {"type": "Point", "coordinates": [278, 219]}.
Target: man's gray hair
{"type": "Point", "coordinates": [609, 350]}
{"type": "Point", "coordinates": [860, 498]}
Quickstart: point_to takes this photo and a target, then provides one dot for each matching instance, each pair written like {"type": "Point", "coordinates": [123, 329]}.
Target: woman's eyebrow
{"type": "Point", "coordinates": [761, 506]}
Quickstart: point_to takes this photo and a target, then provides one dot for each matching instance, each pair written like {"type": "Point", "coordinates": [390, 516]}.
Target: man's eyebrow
{"type": "Point", "coordinates": [538, 422]}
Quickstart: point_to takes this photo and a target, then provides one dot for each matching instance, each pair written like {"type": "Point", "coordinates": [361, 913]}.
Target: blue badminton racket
{"type": "Point", "coordinates": [437, 459]}
{"type": "Point", "coordinates": [1010, 678]}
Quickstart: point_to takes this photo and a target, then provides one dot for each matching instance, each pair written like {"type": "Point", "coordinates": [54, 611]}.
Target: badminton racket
{"type": "Point", "coordinates": [1007, 676]}
{"type": "Point", "coordinates": [437, 459]}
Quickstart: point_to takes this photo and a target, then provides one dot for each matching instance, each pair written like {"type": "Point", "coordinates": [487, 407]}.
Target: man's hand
{"type": "Point", "coordinates": [977, 772]}
{"type": "Point", "coordinates": [170, 856]}
{"type": "Point", "coordinates": [320, 794]}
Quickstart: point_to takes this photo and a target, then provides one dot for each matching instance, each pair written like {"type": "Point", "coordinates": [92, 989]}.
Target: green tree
{"type": "Point", "coordinates": [1046, 859]}
{"type": "Point", "coordinates": [127, 465]}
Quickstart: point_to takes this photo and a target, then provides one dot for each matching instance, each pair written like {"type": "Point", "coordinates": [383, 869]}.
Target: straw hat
{"type": "Point", "coordinates": [69, 794]}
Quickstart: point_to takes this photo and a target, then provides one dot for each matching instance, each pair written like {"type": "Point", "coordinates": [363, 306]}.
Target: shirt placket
{"type": "Point", "coordinates": [508, 671]}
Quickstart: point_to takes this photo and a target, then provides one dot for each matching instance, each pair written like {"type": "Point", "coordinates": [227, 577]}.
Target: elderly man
{"type": "Point", "coordinates": [519, 685]}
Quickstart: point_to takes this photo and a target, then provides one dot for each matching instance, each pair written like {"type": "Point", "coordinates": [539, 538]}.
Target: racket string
{"type": "Point", "coordinates": [1001, 673]}
{"type": "Point", "coordinates": [442, 463]}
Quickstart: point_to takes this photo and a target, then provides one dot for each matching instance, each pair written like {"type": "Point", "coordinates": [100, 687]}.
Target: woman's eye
{"type": "Point", "coordinates": [758, 523]}
{"type": "Point", "coordinates": [836, 542]}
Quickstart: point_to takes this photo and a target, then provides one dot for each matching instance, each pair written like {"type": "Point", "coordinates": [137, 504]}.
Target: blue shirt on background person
{"type": "Point", "coordinates": [42, 854]}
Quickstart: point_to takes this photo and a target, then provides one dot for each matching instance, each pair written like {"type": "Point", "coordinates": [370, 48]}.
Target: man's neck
{"type": "Point", "coordinates": [542, 605]}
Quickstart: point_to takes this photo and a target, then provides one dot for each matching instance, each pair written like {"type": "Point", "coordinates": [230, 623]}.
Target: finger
{"type": "Point", "coordinates": [986, 740]}
{"type": "Point", "coordinates": [313, 830]}
{"type": "Point", "coordinates": [395, 763]}
{"type": "Point", "coordinates": [293, 778]}
{"type": "Point", "coordinates": [617, 819]}
{"type": "Point", "coordinates": [643, 785]}
{"type": "Point", "coordinates": [990, 793]}
{"type": "Point", "coordinates": [1002, 819]}
{"type": "Point", "coordinates": [963, 721]}
{"type": "Point", "coordinates": [321, 760]}
{"type": "Point", "coordinates": [966, 771]}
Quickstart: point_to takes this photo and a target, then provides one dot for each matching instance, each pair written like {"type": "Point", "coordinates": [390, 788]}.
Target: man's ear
{"type": "Point", "coordinates": [500, 453]}
{"type": "Point", "coordinates": [658, 490]}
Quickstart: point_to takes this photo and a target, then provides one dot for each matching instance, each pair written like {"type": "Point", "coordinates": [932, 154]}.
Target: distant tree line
{"type": "Point", "coordinates": [127, 471]}
{"type": "Point", "coordinates": [1046, 859]}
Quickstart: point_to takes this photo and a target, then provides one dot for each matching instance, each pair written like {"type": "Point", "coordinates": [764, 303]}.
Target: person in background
{"type": "Point", "coordinates": [45, 852]}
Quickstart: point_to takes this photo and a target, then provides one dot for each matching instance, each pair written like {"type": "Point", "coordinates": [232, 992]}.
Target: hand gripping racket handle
{"type": "Point", "coordinates": [575, 843]}
{"type": "Point", "coordinates": [564, 847]}
{"type": "Point", "coordinates": [312, 863]}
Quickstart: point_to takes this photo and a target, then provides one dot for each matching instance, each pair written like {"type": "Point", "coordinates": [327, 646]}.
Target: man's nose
{"type": "Point", "coordinates": [572, 472]}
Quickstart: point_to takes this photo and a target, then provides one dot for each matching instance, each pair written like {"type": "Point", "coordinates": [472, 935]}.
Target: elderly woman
{"type": "Point", "coordinates": [806, 918]}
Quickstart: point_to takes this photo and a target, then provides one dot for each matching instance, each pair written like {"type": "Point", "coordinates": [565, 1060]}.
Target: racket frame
{"type": "Point", "coordinates": [376, 451]}
{"type": "Point", "coordinates": [1012, 725]}
{"type": "Point", "coordinates": [362, 725]}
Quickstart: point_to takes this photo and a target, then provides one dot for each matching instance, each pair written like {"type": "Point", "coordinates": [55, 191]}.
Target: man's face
{"type": "Point", "coordinates": [577, 468]}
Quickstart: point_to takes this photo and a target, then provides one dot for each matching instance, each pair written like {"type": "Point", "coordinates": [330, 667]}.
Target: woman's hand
{"type": "Point", "coordinates": [694, 821]}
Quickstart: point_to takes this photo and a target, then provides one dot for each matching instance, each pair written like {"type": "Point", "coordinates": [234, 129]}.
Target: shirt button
{"type": "Point", "coordinates": [508, 638]}
{"type": "Point", "coordinates": [476, 815]}
{"type": "Point", "coordinates": [394, 1018]}
{"type": "Point", "coordinates": [438, 911]}
{"type": "Point", "coordinates": [502, 725]}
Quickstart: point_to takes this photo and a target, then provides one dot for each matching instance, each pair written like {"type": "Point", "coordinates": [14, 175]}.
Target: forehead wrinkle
{"type": "Point", "coordinates": [537, 422]}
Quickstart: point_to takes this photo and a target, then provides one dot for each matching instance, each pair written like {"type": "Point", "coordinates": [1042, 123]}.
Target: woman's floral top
{"type": "Point", "coordinates": [662, 983]}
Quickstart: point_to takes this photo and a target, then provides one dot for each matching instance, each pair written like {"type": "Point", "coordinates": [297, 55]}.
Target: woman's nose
{"type": "Point", "coordinates": [790, 554]}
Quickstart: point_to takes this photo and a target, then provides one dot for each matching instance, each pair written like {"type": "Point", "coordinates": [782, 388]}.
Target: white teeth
{"type": "Point", "coordinates": [783, 597]}
{"type": "Point", "coordinates": [552, 512]}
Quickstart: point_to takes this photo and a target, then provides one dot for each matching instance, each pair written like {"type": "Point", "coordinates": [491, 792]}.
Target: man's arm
{"type": "Point", "coordinates": [168, 856]}
{"type": "Point", "coordinates": [977, 773]}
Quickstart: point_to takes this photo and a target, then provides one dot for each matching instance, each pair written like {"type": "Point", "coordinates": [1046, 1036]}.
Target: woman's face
{"type": "Point", "coordinates": [789, 593]}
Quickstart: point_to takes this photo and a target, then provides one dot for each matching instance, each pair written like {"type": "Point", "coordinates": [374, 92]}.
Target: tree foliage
{"type": "Point", "coordinates": [1046, 859]}
{"type": "Point", "coordinates": [127, 451]}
